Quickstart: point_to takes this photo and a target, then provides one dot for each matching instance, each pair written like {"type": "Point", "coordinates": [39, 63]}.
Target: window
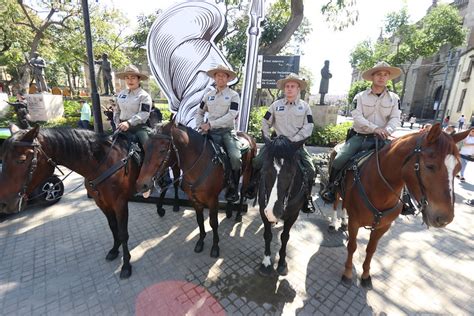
{"type": "Point", "coordinates": [461, 100]}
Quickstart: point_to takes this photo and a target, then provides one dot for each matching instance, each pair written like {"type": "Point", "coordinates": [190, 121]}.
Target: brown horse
{"type": "Point", "coordinates": [29, 157]}
{"type": "Point", "coordinates": [426, 163]}
{"type": "Point", "coordinates": [203, 174]}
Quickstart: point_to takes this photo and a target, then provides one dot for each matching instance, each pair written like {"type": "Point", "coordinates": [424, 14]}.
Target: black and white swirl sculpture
{"type": "Point", "coordinates": [181, 48]}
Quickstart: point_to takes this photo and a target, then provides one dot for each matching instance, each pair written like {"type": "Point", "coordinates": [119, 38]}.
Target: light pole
{"type": "Point", "coordinates": [98, 128]}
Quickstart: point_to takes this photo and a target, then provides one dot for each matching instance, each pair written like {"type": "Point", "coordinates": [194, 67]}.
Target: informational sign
{"type": "Point", "coordinates": [270, 69]}
{"type": "Point", "coordinates": [44, 107]}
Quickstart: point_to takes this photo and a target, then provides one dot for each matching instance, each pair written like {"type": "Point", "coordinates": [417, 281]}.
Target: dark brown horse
{"type": "Point", "coordinates": [29, 157]}
{"type": "Point", "coordinates": [425, 163]}
{"type": "Point", "coordinates": [281, 196]}
{"type": "Point", "coordinates": [202, 173]}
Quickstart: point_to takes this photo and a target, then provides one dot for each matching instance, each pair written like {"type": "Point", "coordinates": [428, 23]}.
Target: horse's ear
{"type": "Point", "coordinates": [434, 133]}
{"type": "Point", "coordinates": [460, 136]}
{"type": "Point", "coordinates": [31, 134]}
{"type": "Point", "coordinates": [13, 128]}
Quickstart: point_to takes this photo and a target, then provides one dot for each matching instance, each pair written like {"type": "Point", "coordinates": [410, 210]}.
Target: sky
{"type": "Point", "coordinates": [323, 43]}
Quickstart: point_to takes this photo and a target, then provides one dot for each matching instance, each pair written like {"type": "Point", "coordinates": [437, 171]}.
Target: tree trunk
{"type": "Point", "coordinates": [297, 14]}
{"type": "Point", "coordinates": [405, 84]}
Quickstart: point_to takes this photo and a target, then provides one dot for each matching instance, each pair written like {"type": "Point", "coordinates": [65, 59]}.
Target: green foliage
{"type": "Point", "coordinates": [255, 122]}
{"type": "Point", "coordinates": [330, 135]}
{"type": "Point", "coordinates": [362, 85]}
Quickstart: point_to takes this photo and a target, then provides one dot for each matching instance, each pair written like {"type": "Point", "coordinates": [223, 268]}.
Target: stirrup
{"type": "Point", "coordinates": [308, 206]}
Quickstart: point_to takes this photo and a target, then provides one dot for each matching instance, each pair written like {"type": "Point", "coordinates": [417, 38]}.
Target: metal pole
{"type": "Point", "coordinates": [444, 87]}
{"type": "Point", "coordinates": [255, 15]}
{"type": "Point", "coordinates": [98, 128]}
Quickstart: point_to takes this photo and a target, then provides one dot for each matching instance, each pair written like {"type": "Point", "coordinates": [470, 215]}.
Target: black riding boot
{"type": "Point", "coordinates": [329, 193]}
{"type": "Point", "coordinates": [232, 194]}
{"type": "Point", "coordinates": [308, 206]}
{"type": "Point", "coordinates": [253, 185]}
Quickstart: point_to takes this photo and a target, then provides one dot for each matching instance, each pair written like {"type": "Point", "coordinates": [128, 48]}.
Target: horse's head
{"type": "Point", "coordinates": [24, 167]}
{"type": "Point", "coordinates": [429, 172]}
{"type": "Point", "coordinates": [278, 176]}
{"type": "Point", "coordinates": [158, 152]}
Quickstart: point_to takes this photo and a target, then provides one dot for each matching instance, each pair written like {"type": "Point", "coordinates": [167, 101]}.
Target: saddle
{"type": "Point", "coordinates": [355, 162]}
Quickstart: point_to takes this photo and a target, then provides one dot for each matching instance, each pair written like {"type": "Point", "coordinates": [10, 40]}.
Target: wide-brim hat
{"type": "Point", "coordinates": [222, 68]}
{"type": "Point", "coordinates": [131, 70]}
{"type": "Point", "coordinates": [380, 66]}
{"type": "Point", "coordinates": [292, 77]}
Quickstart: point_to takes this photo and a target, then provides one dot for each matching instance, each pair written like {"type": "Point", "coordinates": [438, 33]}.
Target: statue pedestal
{"type": "Point", "coordinates": [324, 115]}
{"type": "Point", "coordinates": [44, 107]}
{"type": "Point", "coordinates": [3, 104]}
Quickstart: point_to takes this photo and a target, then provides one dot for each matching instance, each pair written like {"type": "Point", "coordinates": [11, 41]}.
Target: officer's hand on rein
{"type": "Point", "coordinates": [123, 127]}
{"type": "Point", "coordinates": [381, 132]}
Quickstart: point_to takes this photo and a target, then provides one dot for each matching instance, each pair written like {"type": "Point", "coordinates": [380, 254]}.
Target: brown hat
{"type": "Point", "coordinates": [394, 71]}
{"type": "Point", "coordinates": [222, 68]}
{"type": "Point", "coordinates": [131, 70]}
{"type": "Point", "coordinates": [292, 77]}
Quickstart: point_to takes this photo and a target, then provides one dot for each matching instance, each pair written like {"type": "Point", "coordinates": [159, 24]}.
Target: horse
{"type": "Point", "coordinates": [202, 173]}
{"type": "Point", "coordinates": [280, 196]}
{"type": "Point", "coordinates": [30, 156]}
{"type": "Point", "coordinates": [424, 162]}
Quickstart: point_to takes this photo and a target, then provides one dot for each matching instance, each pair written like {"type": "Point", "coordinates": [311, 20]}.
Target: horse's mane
{"type": "Point", "coordinates": [75, 143]}
{"type": "Point", "coordinates": [444, 144]}
{"type": "Point", "coordinates": [281, 148]}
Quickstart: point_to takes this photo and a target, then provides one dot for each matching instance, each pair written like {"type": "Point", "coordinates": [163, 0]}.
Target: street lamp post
{"type": "Point", "coordinates": [90, 59]}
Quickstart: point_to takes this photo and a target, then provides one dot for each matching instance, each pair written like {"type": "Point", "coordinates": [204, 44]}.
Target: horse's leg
{"type": "Point", "coordinates": [282, 267]}
{"type": "Point", "coordinates": [266, 267]}
{"type": "Point", "coordinates": [343, 220]}
{"type": "Point", "coordinates": [112, 220]}
{"type": "Point", "coordinates": [332, 225]}
{"type": "Point", "coordinates": [202, 232]}
{"type": "Point", "coordinates": [238, 216]}
{"type": "Point", "coordinates": [122, 220]}
{"type": "Point", "coordinates": [215, 232]}
{"type": "Point", "coordinates": [351, 248]}
{"type": "Point", "coordinates": [365, 279]}
{"type": "Point", "coordinates": [159, 206]}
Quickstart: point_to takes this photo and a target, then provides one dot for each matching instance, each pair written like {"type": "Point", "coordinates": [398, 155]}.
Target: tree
{"type": "Point", "coordinates": [406, 42]}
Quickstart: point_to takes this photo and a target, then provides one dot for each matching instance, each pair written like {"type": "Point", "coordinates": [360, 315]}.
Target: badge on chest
{"type": "Point", "coordinates": [280, 108]}
{"type": "Point", "coordinates": [211, 98]}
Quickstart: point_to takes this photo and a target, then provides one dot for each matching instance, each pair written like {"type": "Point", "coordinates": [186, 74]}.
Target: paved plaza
{"type": "Point", "coordinates": [53, 263]}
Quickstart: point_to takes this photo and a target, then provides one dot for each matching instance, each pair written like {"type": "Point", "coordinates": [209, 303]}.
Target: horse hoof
{"type": "Point", "coordinates": [175, 208]}
{"type": "Point", "coordinates": [331, 229]}
{"type": "Point", "coordinates": [343, 228]}
{"type": "Point", "coordinates": [238, 218]}
{"type": "Point", "coordinates": [215, 252]}
{"type": "Point", "coordinates": [366, 283]}
{"type": "Point", "coordinates": [266, 271]}
{"type": "Point", "coordinates": [282, 269]}
{"type": "Point", "coordinates": [161, 212]}
{"type": "Point", "coordinates": [199, 246]}
{"type": "Point", "coordinates": [346, 281]}
{"type": "Point", "coordinates": [112, 255]}
{"type": "Point", "coordinates": [126, 272]}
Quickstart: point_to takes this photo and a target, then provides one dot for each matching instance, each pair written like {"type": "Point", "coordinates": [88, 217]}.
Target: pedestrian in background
{"type": "Point", "coordinates": [461, 121]}
{"type": "Point", "coordinates": [85, 115]}
{"type": "Point", "coordinates": [412, 121]}
{"type": "Point", "coordinates": [467, 153]}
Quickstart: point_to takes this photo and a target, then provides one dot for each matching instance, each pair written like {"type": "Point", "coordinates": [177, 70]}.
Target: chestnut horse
{"type": "Point", "coordinates": [202, 173]}
{"type": "Point", "coordinates": [426, 163]}
{"type": "Point", "coordinates": [30, 156]}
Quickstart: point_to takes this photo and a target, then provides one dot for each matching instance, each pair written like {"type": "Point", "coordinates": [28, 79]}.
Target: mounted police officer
{"type": "Point", "coordinates": [290, 117]}
{"type": "Point", "coordinates": [133, 105]}
{"type": "Point", "coordinates": [222, 107]}
{"type": "Point", "coordinates": [376, 113]}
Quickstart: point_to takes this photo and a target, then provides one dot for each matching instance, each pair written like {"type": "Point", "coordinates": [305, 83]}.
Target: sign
{"type": "Point", "coordinates": [270, 69]}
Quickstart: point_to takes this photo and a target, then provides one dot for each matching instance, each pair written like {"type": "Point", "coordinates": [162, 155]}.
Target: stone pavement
{"type": "Point", "coordinates": [53, 263]}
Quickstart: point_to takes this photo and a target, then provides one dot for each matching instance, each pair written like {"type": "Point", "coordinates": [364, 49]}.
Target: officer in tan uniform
{"type": "Point", "coordinates": [376, 113]}
{"type": "Point", "coordinates": [133, 105]}
{"type": "Point", "coordinates": [290, 117]}
{"type": "Point", "coordinates": [222, 107]}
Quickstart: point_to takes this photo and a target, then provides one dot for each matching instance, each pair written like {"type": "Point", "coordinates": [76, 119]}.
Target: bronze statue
{"type": "Point", "coordinates": [106, 67]}
{"type": "Point", "coordinates": [324, 85]}
{"type": "Point", "coordinates": [38, 64]}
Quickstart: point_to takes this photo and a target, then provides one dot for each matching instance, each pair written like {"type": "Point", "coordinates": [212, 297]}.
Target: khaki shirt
{"type": "Point", "coordinates": [372, 111]}
{"type": "Point", "coordinates": [132, 106]}
{"type": "Point", "coordinates": [222, 108]}
{"type": "Point", "coordinates": [293, 120]}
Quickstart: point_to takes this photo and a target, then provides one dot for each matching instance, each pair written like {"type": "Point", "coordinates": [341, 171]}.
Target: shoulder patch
{"type": "Point", "coordinates": [267, 115]}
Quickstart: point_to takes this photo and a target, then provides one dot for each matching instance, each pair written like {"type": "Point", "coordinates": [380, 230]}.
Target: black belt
{"type": "Point", "coordinates": [364, 135]}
